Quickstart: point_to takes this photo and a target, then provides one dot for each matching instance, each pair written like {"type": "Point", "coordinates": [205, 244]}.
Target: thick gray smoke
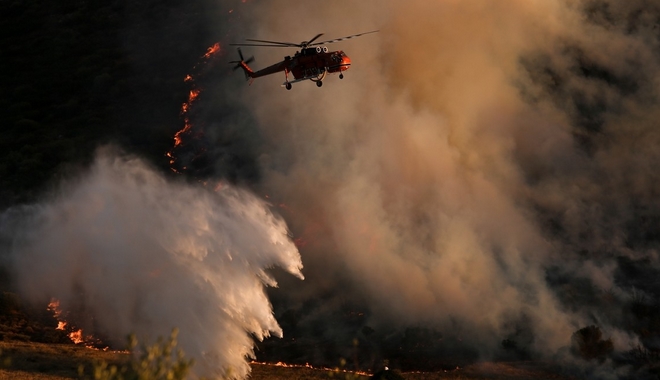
{"type": "Point", "coordinates": [480, 161]}
{"type": "Point", "coordinates": [409, 167]}
{"type": "Point", "coordinates": [144, 255]}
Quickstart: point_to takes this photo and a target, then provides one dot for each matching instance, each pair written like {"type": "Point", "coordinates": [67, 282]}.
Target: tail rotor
{"type": "Point", "coordinates": [242, 64]}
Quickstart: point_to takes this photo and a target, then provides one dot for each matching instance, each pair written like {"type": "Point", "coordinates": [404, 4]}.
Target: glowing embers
{"type": "Point", "coordinates": [335, 370]}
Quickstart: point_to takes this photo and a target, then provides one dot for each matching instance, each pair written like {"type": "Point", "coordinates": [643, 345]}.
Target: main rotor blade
{"type": "Point", "coordinates": [278, 43]}
{"type": "Point", "coordinates": [279, 46]}
{"type": "Point", "coordinates": [275, 42]}
{"type": "Point", "coordinates": [309, 43]}
{"type": "Point", "coordinates": [342, 38]}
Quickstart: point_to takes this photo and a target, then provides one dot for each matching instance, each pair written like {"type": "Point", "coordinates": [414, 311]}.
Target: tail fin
{"type": "Point", "coordinates": [243, 64]}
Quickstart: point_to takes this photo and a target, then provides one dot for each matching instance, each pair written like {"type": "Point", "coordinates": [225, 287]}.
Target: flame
{"type": "Point", "coordinates": [193, 95]}
{"type": "Point", "coordinates": [54, 307]}
{"type": "Point", "coordinates": [169, 154]}
{"type": "Point", "coordinates": [212, 50]}
{"type": "Point", "coordinates": [177, 136]}
{"type": "Point", "coordinates": [185, 108]}
{"type": "Point", "coordinates": [76, 336]}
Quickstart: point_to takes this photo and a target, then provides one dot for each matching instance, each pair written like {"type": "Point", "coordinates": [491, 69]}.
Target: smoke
{"type": "Point", "coordinates": [411, 175]}
{"type": "Point", "coordinates": [484, 165]}
{"type": "Point", "coordinates": [143, 255]}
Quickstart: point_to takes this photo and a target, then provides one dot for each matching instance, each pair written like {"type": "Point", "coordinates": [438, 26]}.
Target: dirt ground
{"type": "Point", "coordinates": [30, 361]}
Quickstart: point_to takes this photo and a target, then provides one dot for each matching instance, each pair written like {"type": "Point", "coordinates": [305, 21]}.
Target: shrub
{"type": "Point", "coordinates": [161, 361]}
{"type": "Point", "coordinates": [588, 344]}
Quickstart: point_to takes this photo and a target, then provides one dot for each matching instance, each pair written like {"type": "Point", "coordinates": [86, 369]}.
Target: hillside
{"type": "Point", "coordinates": [74, 77]}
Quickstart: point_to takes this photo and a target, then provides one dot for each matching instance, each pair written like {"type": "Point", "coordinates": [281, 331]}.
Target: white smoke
{"type": "Point", "coordinates": [144, 255]}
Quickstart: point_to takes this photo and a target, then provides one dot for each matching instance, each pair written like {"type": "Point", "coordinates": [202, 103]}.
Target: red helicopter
{"type": "Point", "coordinates": [312, 62]}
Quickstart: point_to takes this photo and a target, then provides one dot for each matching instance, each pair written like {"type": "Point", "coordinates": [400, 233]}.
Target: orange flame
{"type": "Point", "coordinates": [76, 336]}
{"type": "Point", "coordinates": [177, 136]}
{"type": "Point", "coordinates": [212, 50]}
{"type": "Point", "coordinates": [193, 95]}
{"type": "Point", "coordinates": [185, 108]}
{"type": "Point", "coordinates": [54, 306]}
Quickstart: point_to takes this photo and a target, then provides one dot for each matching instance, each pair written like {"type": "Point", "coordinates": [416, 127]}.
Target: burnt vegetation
{"type": "Point", "coordinates": [588, 343]}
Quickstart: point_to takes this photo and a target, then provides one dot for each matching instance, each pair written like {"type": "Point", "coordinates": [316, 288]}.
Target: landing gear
{"type": "Point", "coordinates": [319, 84]}
{"type": "Point", "coordinates": [341, 76]}
{"type": "Point", "coordinates": [288, 85]}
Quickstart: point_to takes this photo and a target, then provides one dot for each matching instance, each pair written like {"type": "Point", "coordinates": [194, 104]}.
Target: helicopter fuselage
{"type": "Point", "coordinates": [309, 63]}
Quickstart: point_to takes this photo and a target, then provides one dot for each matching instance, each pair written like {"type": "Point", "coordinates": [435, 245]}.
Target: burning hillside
{"type": "Point", "coordinates": [481, 185]}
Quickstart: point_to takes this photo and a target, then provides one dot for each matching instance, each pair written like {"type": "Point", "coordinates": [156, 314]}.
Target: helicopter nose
{"type": "Point", "coordinates": [345, 63]}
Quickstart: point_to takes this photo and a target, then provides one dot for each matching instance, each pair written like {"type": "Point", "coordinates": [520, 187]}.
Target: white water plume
{"type": "Point", "coordinates": [143, 255]}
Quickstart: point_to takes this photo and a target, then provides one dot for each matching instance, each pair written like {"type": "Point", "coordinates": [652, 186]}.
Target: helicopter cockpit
{"type": "Point", "coordinates": [314, 50]}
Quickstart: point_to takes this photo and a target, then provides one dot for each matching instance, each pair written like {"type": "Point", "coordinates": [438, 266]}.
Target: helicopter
{"type": "Point", "coordinates": [312, 62]}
